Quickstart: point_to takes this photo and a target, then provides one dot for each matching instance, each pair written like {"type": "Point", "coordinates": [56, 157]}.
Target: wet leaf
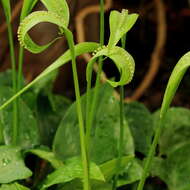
{"type": "Point", "coordinates": [12, 165]}
{"type": "Point", "coordinates": [28, 133]}
{"type": "Point", "coordinates": [104, 133]}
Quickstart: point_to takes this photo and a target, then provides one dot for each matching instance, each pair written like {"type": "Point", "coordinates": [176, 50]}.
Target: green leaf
{"type": "Point", "coordinates": [47, 155]}
{"type": "Point", "coordinates": [104, 133]}
{"type": "Point", "coordinates": [176, 129]}
{"type": "Point", "coordinates": [12, 166]}
{"type": "Point", "coordinates": [70, 171]}
{"type": "Point", "coordinates": [131, 173]}
{"type": "Point", "coordinates": [7, 9]}
{"type": "Point", "coordinates": [66, 57]}
{"type": "Point", "coordinates": [32, 20]}
{"type": "Point", "coordinates": [174, 81]}
{"type": "Point", "coordinates": [28, 130]}
{"type": "Point", "coordinates": [120, 23]}
{"type": "Point", "coordinates": [6, 78]}
{"type": "Point", "coordinates": [121, 58]}
{"type": "Point", "coordinates": [175, 169]}
{"type": "Point", "coordinates": [141, 125]}
{"type": "Point", "coordinates": [49, 115]}
{"type": "Point", "coordinates": [109, 169]}
{"type": "Point", "coordinates": [27, 7]}
{"type": "Point", "coordinates": [77, 185]}
{"type": "Point", "coordinates": [59, 7]}
{"type": "Point", "coordinates": [13, 186]}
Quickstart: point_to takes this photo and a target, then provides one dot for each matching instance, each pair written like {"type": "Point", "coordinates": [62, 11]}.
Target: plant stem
{"type": "Point", "coordinates": [86, 181]}
{"type": "Point", "coordinates": [20, 65]}
{"type": "Point", "coordinates": [121, 135]}
{"type": "Point", "coordinates": [90, 110]}
{"type": "Point", "coordinates": [14, 85]}
{"type": "Point", "coordinates": [151, 154]}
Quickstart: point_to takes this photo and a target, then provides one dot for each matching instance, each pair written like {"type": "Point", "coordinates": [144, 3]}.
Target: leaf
{"type": "Point", "coordinates": [28, 131]}
{"type": "Point", "coordinates": [47, 155]}
{"type": "Point", "coordinates": [171, 89]}
{"type": "Point", "coordinates": [70, 171]}
{"type": "Point", "coordinates": [27, 8]}
{"type": "Point", "coordinates": [121, 58]}
{"type": "Point", "coordinates": [175, 169]}
{"type": "Point", "coordinates": [59, 7]}
{"type": "Point", "coordinates": [131, 173]}
{"type": "Point", "coordinates": [6, 78]}
{"type": "Point", "coordinates": [77, 185]}
{"type": "Point", "coordinates": [120, 23]}
{"type": "Point", "coordinates": [12, 166]}
{"type": "Point", "coordinates": [176, 129]}
{"type": "Point", "coordinates": [32, 20]}
{"type": "Point", "coordinates": [7, 9]}
{"type": "Point", "coordinates": [66, 57]}
{"type": "Point", "coordinates": [141, 125]}
{"type": "Point", "coordinates": [13, 186]}
{"type": "Point", "coordinates": [109, 169]}
{"type": "Point", "coordinates": [49, 115]}
{"type": "Point", "coordinates": [104, 133]}
{"type": "Point", "coordinates": [174, 81]}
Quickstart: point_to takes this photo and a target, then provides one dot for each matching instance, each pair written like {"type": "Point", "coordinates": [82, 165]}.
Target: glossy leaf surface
{"type": "Point", "coordinates": [104, 134]}
{"type": "Point", "coordinates": [12, 165]}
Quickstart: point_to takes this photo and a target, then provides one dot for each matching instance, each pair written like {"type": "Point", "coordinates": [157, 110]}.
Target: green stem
{"type": "Point", "coordinates": [14, 85]}
{"type": "Point", "coordinates": [20, 65]}
{"type": "Point", "coordinates": [151, 154]}
{"type": "Point", "coordinates": [91, 109]}
{"type": "Point", "coordinates": [86, 181]}
{"type": "Point", "coordinates": [121, 135]}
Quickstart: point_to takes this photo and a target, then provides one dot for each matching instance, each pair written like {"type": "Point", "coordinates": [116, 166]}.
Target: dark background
{"type": "Point", "coordinates": [141, 43]}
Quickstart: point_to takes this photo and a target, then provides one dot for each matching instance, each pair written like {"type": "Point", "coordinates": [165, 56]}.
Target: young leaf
{"type": "Point", "coordinates": [173, 83]}
{"type": "Point", "coordinates": [33, 19]}
{"type": "Point", "coordinates": [120, 23]}
{"type": "Point", "coordinates": [12, 165]}
{"type": "Point", "coordinates": [66, 57]}
{"type": "Point", "coordinates": [27, 7]}
{"type": "Point", "coordinates": [13, 186]}
{"type": "Point", "coordinates": [70, 171]}
{"type": "Point", "coordinates": [59, 7]}
{"type": "Point", "coordinates": [121, 58]}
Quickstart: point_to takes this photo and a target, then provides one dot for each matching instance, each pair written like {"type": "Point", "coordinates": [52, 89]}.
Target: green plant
{"type": "Point", "coordinates": [58, 14]}
{"type": "Point", "coordinates": [93, 146]}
